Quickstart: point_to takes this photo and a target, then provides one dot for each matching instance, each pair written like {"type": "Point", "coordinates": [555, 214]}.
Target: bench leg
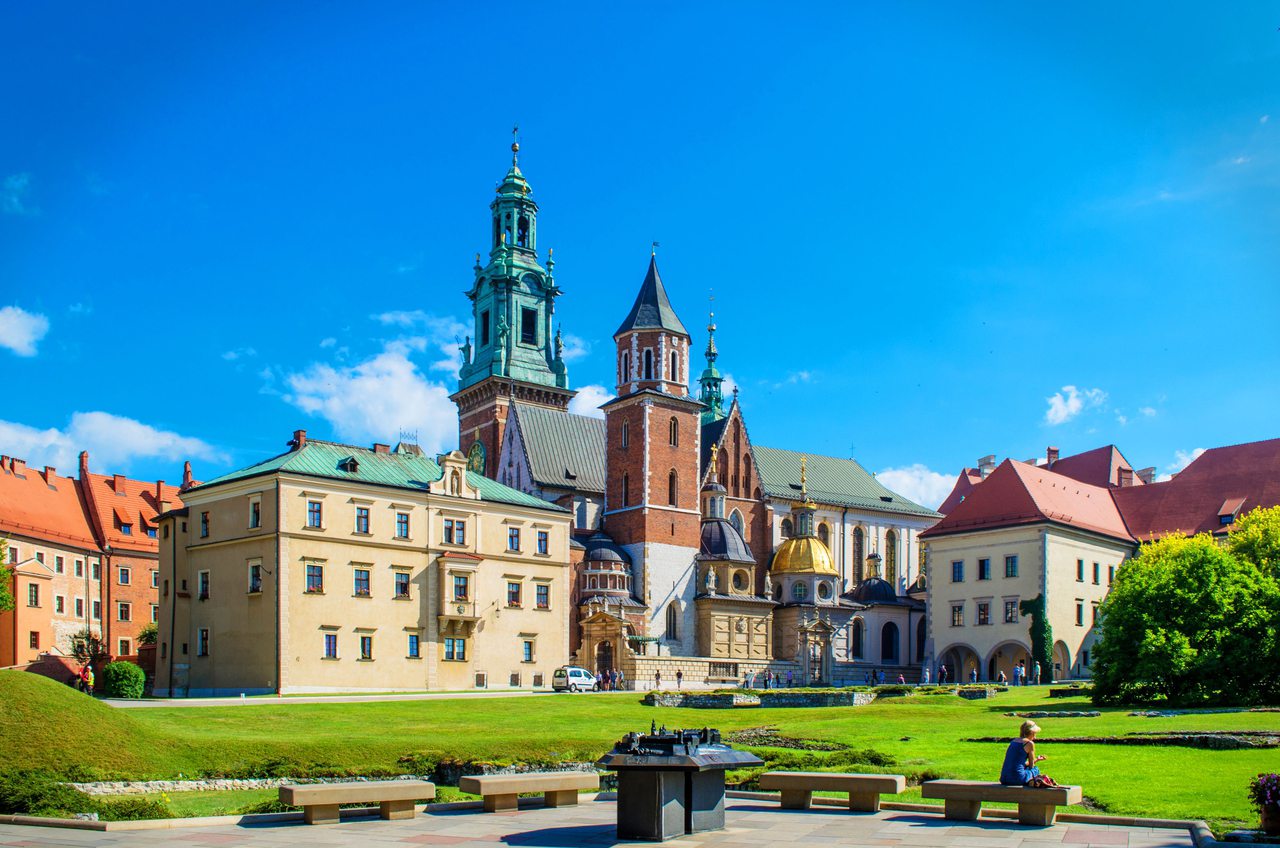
{"type": "Point", "coordinates": [501, 803]}
{"type": "Point", "coordinates": [320, 814]}
{"type": "Point", "coordinates": [796, 799]}
{"type": "Point", "coordinates": [864, 802]}
{"type": "Point", "coordinates": [1041, 815]}
{"type": "Point", "coordinates": [561, 797]}
{"type": "Point", "coordinates": [396, 810]}
{"type": "Point", "coordinates": [962, 810]}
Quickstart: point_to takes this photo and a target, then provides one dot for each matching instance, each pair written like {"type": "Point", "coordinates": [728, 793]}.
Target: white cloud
{"type": "Point", "coordinates": [1148, 411]}
{"type": "Point", "coordinates": [112, 441]}
{"type": "Point", "coordinates": [80, 309]}
{"type": "Point", "coordinates": [239, 353]}
{"type": "Point", "coordinates": [375, 399]}
{"type": "Point", "coordinates": [1064, 407]}
{"type": "Point", "coordinates": [13, 195]}
{"type": "Point", "coordinates": [21, 330]}
{"type": "Point", "coordinates": [1181, 459]}
{"type": "Point", "coordinates": [575, 347]}
{"type": "Point", "coordinates": [588, 399]}
{"type": "Point", "coordinates": [1122, 418]}
{"type": "Point", "coordinates": [1241, 160]}
{"type": "Point", "coordinates": [919, 483]}
{"type": "Point", "coordinates": [329, 342]}
{"type": "Point", "coordinates": [729, 386]}
{"type": "Point", "coordinates": [444, 333]}
{"type": "Point", "coordinates": [400, 318]}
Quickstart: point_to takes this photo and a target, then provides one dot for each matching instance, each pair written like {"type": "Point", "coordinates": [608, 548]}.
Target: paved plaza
{"type": "Point", "coordinates": [750, 824]}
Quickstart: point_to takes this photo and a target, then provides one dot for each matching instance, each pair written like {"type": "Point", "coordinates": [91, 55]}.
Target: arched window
{"type": "Point", "coordinates": [673, 620]}
{"type": "Point", "coordinates": [735, 518]}
{"type": "Point", "coordinates": [746, 474]}
{"type": "Point", "coordinates": [673, 486]}
{"type": "Point", "coordinates": [522, 232]}
{"type": "Point", "coordinates": [889, 642]}
{"type": "Point", "coordinates": [824, 533]}
{"type": "Point", "coordinates": [673, 436]}
{"type": "Point", "coordinates": [799, 591]}
{"type": "Point", "coordinates": [891, 557]}
{"type": "Point", "coordinates": [626, 490]}
{"type": "Point", "coordinates": [625, 373]}
{"type": "Point", "coordinates": [675, 367]}
{"type": "Point", "coordinates": [626, 435]}
{"type": "Point", "coordinates": [648, 365]}
{"type": "Point", "coordinates": [786, 528]}
{"type": "Point", "coordinates": [856, 638]}
{"type": "Point", "coordinates": [859, 554]}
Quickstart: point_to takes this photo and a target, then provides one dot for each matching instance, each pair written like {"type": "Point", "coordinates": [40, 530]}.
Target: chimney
{"type": "Point", "coordinates": [1051, 455]}
{"type": "Point", "coordinates": [1147, 475]}
{"type": "Point", "coordinates": [378, 447]}
{"type": "Point", "coordinates": [186, 475]}
{"type": "Point", "coordinates": [986, 465]}
{"type": "Point", "coordinates": [18, 466]}
{"type": "Point", "coordinates": [4, 462]}
{"type": "Point", "coordinates": [1126, 477]}
{"type": "Point", "coordinates": [84, 465]}
{"type": "Point", "coordinates": [159, 490]}
{"type": "Point", "coordinates": [165, 506]}
{"type": "Point", "coordinates": [117, 483]}
{"type": "Point", "coordinates": [49, 474]}
{"type": "Point", "coordinates": [299, 439]}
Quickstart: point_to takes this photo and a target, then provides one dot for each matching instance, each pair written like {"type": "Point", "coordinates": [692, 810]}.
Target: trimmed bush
{"type": "Point", "coordinates": [123, 680]}
{"type": "Point", "coordinates": [133, 809]}
{"type": "Point", "coordinates": [31, 792]}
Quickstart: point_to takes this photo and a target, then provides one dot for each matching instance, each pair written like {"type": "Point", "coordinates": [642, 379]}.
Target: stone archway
{"type": "Point", "coordinates": [959, 660]}
{"type": "Point", "coordinates": [1061, 661]}
{"type": "Point", "coordinates": [1005, 657]}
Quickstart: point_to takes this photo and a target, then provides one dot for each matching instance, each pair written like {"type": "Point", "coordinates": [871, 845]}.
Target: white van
{"type": "Point", "coordinates": [573, 679]}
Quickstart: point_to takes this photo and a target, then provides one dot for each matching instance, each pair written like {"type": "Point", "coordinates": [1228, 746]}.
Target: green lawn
{"type": "Point", "coordinates": [44, 724]}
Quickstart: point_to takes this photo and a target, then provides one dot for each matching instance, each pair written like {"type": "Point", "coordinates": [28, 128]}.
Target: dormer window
{"type": "Point", "coordinates": [349, 465]}
{"type": "Point", "coordinates": [126, 529]}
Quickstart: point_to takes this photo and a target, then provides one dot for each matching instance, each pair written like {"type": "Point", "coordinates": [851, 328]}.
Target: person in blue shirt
{"type": "Point", "coordinates": [1020, 760]}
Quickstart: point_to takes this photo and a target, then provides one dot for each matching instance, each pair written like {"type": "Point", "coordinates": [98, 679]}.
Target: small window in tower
{"type": "Point", "coordinates": [529, 326]}
{"type": "Point", "coordinates": [626, 368]}
{"type": "Point", "coordinates": [626, 490]}
{"type": "Point", "coordinates": [497, 228]}
{"type": "Point", "coordinates": [522, 232]}
{"type": "Point", "coordinates": [648, 365]}
{"type": "Point", "coordinates": [484, 328]}
{"type": "Point", "coordinates": [674, 435]}
{"type": "Point", "coordinates": [673, 489]}
{"type": "Point", "coordinates": [675, 367]}
{"type": "Point", "coordinates": [626, 435]}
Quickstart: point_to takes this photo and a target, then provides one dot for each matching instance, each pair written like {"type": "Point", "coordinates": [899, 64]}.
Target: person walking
{"type": "Point", "coordinates": [902, 681]}
{"type": "Point", "coordinates": [1035, 674]}
{"type": "Point", "coordinates": [657, 679]}
{"type": "Point", "coordinates": [882, 677]}
{"type": "Point", "coordinates": [790, 679]}
{"type": "Point", "coordinates": [924, 681]}
{"type": "Point", "coordinates": [973, 674]}
{"type": "Point", "coordinates": [88, 679]}
{"type": "Point", "coordinates": [622, 679]}
{"type": "Point", "coordinates": [679, 678]}
{"type": "Point", "coordinates": [942, 673]}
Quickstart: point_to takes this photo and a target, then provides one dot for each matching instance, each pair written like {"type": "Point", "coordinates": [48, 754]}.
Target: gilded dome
{"type": "Point", "coordinates": [802, 555]}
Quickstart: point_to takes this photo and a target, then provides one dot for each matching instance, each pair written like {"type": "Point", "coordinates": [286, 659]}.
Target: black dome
{"type": "Point", "coordinates": [874, 590]}
{"type": "Point", "coordinates": [600, 548]}
{"type": "Point", "coordinates": [722, 542]}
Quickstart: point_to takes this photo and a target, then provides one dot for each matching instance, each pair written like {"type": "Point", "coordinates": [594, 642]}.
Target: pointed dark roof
{"type": "Point", "coordinates": [652, 310]}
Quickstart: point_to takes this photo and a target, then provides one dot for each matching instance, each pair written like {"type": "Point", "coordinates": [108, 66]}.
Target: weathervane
{"type": "Point", "coordinates": [515, 143]}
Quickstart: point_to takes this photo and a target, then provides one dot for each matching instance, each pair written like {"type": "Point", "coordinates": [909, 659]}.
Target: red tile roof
{"type": "Point", "coordinates": [969, 477]}
{"type": "Point", "coordinates": [48, 509]}
{"type": "Point", "coordinates": [116, 501]}
{"type": "Point", "coordinates": [1192, 501]}
{"type": "Point", "coordinates": [1098, 467]}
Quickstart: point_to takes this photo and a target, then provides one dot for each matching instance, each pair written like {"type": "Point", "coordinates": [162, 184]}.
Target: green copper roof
{"type": "Point", "coordinates": [838, 482]}
{"type": "Point", "coordinates": [401, 469]}
{"type": "Point", "coordinates": [564, 449]}
{"type": "Point", "coordinates": [652, 310]}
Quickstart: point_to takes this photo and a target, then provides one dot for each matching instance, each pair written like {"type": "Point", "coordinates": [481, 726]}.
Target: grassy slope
{"type": "Point", "coordinates": [1173, 782]}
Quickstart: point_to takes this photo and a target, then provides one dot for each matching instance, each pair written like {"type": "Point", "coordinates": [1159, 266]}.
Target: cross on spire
{"type": "Point", "coordinates": [515, 143]}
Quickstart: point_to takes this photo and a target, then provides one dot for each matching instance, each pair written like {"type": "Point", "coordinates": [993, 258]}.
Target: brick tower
{"type": "Point", "coordinates": [515, 355]}
{"type": "Point", "coordinates": [651, 503]}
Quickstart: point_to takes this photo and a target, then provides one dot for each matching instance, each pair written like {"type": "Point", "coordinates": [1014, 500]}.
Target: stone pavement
{"type": "Point", "coordinates": [750, 824]}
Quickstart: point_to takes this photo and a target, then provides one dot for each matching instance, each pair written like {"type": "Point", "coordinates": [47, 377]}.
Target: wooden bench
{"type": "Point", "coordinates": [864, 790]}
{"type": "Point", "coordinates": [501, 791]}
{"type": "Point", "coordinates": [1035, 806]}
{"type": "Point", "coordinates": [319, 801]}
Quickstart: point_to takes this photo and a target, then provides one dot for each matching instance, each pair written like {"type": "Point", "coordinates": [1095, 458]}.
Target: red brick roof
{"type": "Point", "coordinates": [1192, 500]}
{"type": "Point", "coordinates": [969, 477]}
{"type": "Point", "coordinates": [1098, 467]}
{"type": "Point", "coordinates": [48, 509]}
{"type": "Point", "coordinates": [117, 501]}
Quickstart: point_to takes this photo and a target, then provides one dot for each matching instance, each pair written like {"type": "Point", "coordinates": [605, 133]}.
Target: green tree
{"type": "Point", "coordinates": [123, 679]}
{"type": "Point", "coordinates": [1256, 538]}
{"type": "Point", "coordinates": [149, 633]}
{"type": "Point", "coordinates": [6, 577]}
{"type": "Point", "coordinates": [87, 646]}
{"type": "Point", "coordinates": [1189, 622]}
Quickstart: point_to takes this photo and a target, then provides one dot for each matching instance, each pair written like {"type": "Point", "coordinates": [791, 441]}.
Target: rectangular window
{"type": "Point", "coordinates": [544, 542]}
{"type": "Point", "coordinates": [155, 613]}
{"type": "Point", "coordinates": [204, 528]}
{"type": "Point", "coordinates": [255, 578]}
{"type": "Point", "coordinates": [513, 538]}
{"type": "Point", "coordinates": [543, 593]}
{"type": "Point", "coordinates": [1011, 566]}
{"type": "Point", "coordinates": [1097, 574]}
{"type": "Point", "coordinates": [59, 565]}
{"type": "Point", "coordinates": [526, 650]}
{"type": "Point", "coordinates": [984, 613]}
{"type": "Point", "coordinates": [13, 555]}
{"type": "Point", "coordinates": [362, 582]}
{"type": "Point", "coordinates": [79, 607]}
{"type": "Point", "coordinates": [124, 611]}
{"type": "Point", "coordinates": [448, 532]}
{"type": "Point", "coordinates": [79, 568]}
{"type": "Point", "coordinates": [331, 646]}
{"type": "Point", "coordinates": [315, 578]}
{"type": "Point", "coordinates": [1084, 658]}
{"type": "Point", "coordinates": [460, 587]}
{"type": "Point", "coordinates": [1079, 613]}
{"type": "Point", "coordinates": [984, 569]}
{"type": "Point", "coordinates": [34, 640]}
{"type": "Point", "coordinates": [484, 328]}
{"type": "Point", "coordinates": [126, 529]}
{"type": "Point", "coordinates": [362, 519]}
{"type": "Point", "coordinates": [957, 615]}
{"type": "Point", "coordinates": [455, 649]}
{"type": "Point", "coordinates": [33, 595]}
{"type": "Point", "coordinates": [155, 579]}
{"type": "Point", "coordinates": [97, 571]}
{"type": "Point", "coordinates": [402, 525]}
{"type": "Point", "coordinates": [97, 610]}
{"type": "Point", "coordinates": [40, 557]}
{"type": "Point", "coordinates": [202, 642]}
{"type": "Point", "coordinates": [366, 647]}
{"type": "Point", "coordinates": [1010, 612]}
{"type": "Point", "coordinates": [1079, 571]}
{"type": "Point", "coordinates": [124, 576]}
{"type": "Point", "coordinates": [125, 647]}
{"type": "Point", "coordinates": [1095, 613]}
{"type": "Point", "coordinates": [528, 326]}
{"type": "Point", "coordinates": [202, 585]}
{"type": "Point", "coordinates": [1111, 574]}
{"type": "Point", "coordinates": [460, 532]}
{"type": "Point", "coordinates": [513, 594]}
{"type": "Point", "coordinates": [313, 513]}
{"type": "Point", "coordinates": [957, 571]}
{"type": "Point", "coordinates": [151, 531]}
{"type": "Point", "coordinates": [255, 514]}
{"type": "Point", "coordinates": [414, 652]}
{"type": "Point", "coordinates": [402, 584]}
{"type": "Point", "coordinates": [59, 604]}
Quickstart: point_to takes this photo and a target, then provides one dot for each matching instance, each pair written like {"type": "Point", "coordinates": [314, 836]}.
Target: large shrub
{"type": "Point", "coordinates": [1189, 622]}
{"type": "Point", "coordinates": [123, 680]}
{"type": "Point", "coordinates": [30, 792]}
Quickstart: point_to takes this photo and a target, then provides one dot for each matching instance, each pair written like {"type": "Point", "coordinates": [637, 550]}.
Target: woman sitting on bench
{"type": "Point", "coordinates": [1020, 760]}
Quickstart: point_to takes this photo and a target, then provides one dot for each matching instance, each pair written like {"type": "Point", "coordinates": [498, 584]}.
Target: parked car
{"type": "Point", "coordinates": [571, 678]}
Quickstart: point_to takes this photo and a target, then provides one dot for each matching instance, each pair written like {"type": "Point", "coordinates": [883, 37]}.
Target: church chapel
{"type": "Point", "coordinates": [693, 549]}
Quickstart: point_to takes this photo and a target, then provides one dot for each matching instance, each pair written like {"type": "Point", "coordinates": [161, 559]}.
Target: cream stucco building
{"type": "Point", "coordinates": [333, 567]}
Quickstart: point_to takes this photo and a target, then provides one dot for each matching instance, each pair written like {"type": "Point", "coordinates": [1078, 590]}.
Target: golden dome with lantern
{"type": "Point", "coordinates": [803, 553]}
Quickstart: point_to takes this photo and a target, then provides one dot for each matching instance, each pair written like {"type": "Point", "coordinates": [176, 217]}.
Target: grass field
{"type": "Point", "coordinates": [47, 725]}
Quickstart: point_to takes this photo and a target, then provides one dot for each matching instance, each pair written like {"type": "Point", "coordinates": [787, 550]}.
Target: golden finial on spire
{"type": "Point", "coordinates": [515, 143]}
{"type": "Point", "coordinates": [803, 483]}
{"type": "Point", "coordinates": [711, 309]}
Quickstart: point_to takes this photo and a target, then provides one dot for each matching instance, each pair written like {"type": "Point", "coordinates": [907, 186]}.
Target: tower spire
{"type": "Point", "coordinates": [712, 384]}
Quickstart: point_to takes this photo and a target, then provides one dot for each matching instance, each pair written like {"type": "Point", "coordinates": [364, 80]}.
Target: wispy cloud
{"type": "Point", "coordinates": [443, 333]}
{"type": "Point", "coordinates": [1070, 402]}
{"type": "Point", "coordinates": [1181, 459]}
{"type": "Point", "coordinates": [113, 443]}
{"type": "Point", "coordinates": [14, 192]}
{"type": "Point", "coordinates": [588, 399]}
{"type": "Point", "coordinates": [1148, 411]}
{"type": "Point", "coordinates": [328, 342]}
{"type": "Point", "coordinates": [575, 347]}
{"type": "Point", "coordinates": [239, 353]}
{"type": "Point", "coordinates": [919, 483]}
{"type": "Point", "coordinates": [21, 331]}
{"type": "Point", "coordinates": [79, 308]}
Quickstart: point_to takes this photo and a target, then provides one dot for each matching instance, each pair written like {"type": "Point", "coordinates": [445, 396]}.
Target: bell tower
{"type": "Point", "coordinates": [513, 353]}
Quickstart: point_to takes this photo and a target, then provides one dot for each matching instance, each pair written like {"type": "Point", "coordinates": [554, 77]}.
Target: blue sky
{"type": "Point", "coordinates": [933, 232]}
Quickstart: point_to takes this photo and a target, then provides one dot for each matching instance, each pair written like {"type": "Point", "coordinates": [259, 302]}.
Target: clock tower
{"type": "Point", "coordinates": [515, 353]}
